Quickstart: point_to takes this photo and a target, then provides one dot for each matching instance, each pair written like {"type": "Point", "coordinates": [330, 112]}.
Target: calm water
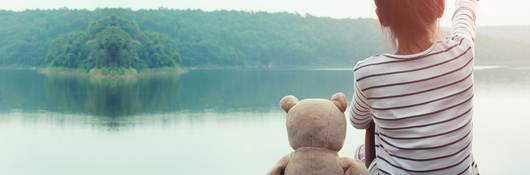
{"type": "Point", "coordinates": [210, 121]}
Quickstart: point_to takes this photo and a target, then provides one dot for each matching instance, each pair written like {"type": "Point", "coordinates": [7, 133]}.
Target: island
{"type": "Point", "coordinates": [113, 48]}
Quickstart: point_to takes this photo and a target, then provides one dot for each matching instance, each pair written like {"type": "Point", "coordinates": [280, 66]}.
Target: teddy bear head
{"type": "Point", "coordinates": [316, 122]}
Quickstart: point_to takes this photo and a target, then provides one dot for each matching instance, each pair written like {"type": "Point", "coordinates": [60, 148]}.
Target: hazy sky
{"type": "Point", "coordinates": [492, 12]}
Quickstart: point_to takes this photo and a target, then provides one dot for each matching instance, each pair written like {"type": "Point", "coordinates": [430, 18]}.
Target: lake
{"type": "Point", "coordinates": [210, 121]}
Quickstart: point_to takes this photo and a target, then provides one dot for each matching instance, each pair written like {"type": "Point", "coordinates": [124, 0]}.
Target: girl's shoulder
{"type": "Point", "coordinates": [371, 62]}
{"type": "Point", "coordinates": [364, 66]}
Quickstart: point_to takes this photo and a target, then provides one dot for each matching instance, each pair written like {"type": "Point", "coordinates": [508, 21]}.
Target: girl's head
{"type": "Point", "coordinates": [410, 20]}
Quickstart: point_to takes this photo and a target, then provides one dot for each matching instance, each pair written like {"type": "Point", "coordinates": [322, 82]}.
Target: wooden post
{"type": "Point", "coordinates": [369, 144]}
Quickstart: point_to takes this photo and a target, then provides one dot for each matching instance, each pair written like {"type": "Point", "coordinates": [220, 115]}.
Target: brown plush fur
{"type": "Point", "coordinates": [316, 130]}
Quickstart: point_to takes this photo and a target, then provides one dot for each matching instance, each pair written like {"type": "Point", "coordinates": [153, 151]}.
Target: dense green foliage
{"type": "Point", "coordinates": [113, 42]}
{"type": "Point", "coordinates": [219, 38]}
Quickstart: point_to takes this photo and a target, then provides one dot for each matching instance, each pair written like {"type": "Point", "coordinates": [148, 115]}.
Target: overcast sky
{"type": "Point", "coordinates": [492, 12]}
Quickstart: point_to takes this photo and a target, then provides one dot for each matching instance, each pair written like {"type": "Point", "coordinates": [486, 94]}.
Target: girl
{"type": "Point", "coordinates": [420, 97]}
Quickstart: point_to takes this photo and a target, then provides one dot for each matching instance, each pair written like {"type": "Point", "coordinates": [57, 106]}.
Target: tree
{"type": "Point", "coordinates": [113, 42]}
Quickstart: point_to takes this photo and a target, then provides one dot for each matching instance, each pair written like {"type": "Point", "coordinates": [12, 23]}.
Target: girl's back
{"type": "Point", "coordinates": [421, 104]}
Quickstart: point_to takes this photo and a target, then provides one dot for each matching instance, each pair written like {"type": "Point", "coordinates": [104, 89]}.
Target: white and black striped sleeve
{"type": "Point", "coordinates": [464, 19]}
{"type": "Point", "coordinates": [359, 110]}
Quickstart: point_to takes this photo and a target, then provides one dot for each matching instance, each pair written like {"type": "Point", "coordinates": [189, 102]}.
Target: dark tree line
{"type": "Point", "coordinates": [218, 38]}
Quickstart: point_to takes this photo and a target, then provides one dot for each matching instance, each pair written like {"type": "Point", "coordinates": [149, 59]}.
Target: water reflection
{"type": "Point", "coordinates": [196, 91]}
{"type": "Point", "coordinates": [28, 91]}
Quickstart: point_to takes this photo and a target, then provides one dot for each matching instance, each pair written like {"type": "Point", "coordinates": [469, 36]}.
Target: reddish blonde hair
{"type": "Point", "coordinates": [409, 19]}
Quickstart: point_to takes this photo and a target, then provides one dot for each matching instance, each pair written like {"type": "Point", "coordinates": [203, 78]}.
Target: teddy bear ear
{"type": "Point", "coordinates": [339, 99]}
{"type": "Point", "coordinates": [288, 102]}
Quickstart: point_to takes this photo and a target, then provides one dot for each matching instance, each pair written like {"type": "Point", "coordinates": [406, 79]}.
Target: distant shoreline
{"type": "Point", "coordinates": [110, 74]}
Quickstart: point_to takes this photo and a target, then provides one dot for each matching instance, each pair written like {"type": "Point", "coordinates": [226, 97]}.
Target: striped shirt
{"type": "Point", "coordinates": [421, 104]}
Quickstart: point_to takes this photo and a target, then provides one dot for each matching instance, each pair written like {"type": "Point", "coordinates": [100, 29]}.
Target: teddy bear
{"type": "Point", "coordinates": [316, 130]}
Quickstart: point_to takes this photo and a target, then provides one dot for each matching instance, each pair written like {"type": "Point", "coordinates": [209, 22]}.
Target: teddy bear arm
{"type": "Point", "coordinates": [352, 167]}
{"type": "Point", "coordinates": [279, 168]}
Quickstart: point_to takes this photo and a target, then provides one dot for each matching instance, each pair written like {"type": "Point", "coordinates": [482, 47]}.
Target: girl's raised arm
{"type": "Point", "coordinates": [464, 19]}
